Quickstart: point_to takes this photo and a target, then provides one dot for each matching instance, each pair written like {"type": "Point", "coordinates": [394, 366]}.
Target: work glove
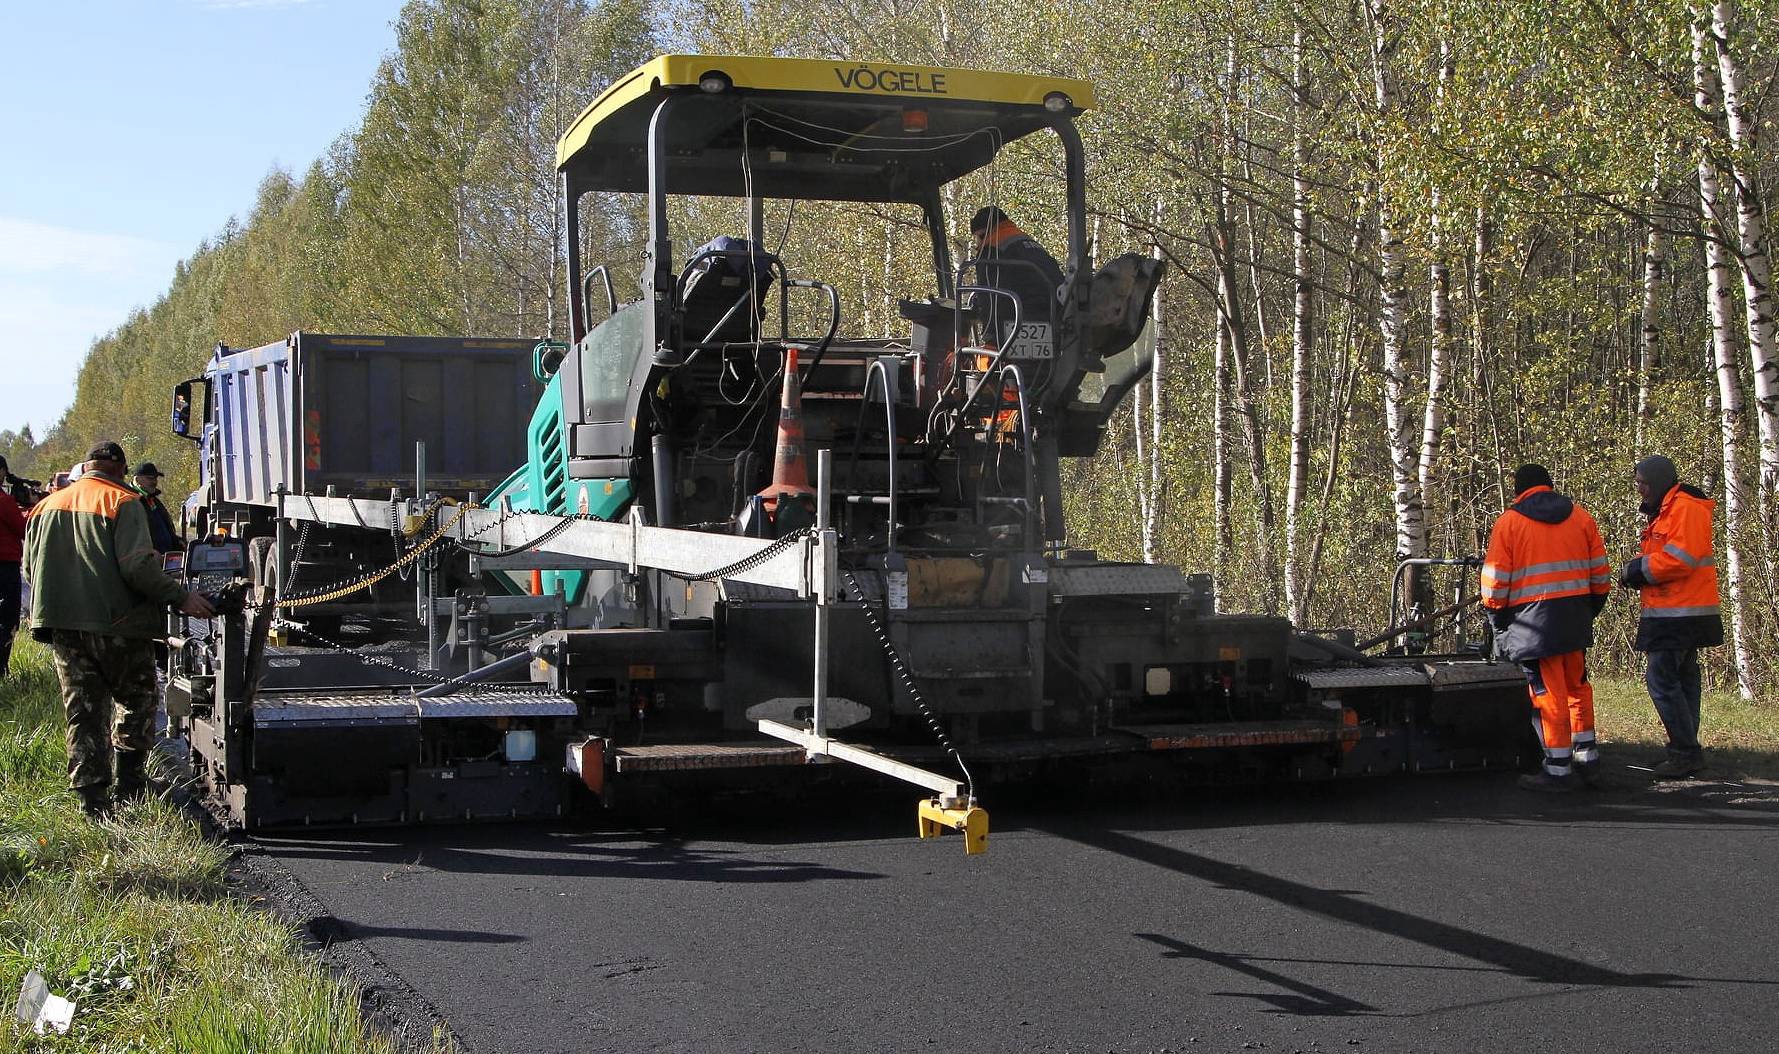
{"type": "Point", "coordinates": [1632, 577]}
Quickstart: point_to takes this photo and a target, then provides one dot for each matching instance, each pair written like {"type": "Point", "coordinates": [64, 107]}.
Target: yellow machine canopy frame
{"type": "Point", "coordinates": [812, 128]}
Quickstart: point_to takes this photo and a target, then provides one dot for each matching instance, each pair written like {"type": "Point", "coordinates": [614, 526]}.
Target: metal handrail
{"type": "Point", "coordinates": [878, 368]}
{"type": "Point", "coordinates": [611, 293]}
{"type": "Point", "coordinates": [1001, 377]}
{"type": "Point", "coordinates": [957, 325]}
{"type": "Point", "coordinates": [1395, 630]}
{"type": "Point", "coordinates": [957, 370]}
{"type": "Point", "coordinates": [821, 347]}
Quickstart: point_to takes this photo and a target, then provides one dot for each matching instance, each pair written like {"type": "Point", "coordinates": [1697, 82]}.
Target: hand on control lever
{"type": "Point", "coordinates": [196, 604]}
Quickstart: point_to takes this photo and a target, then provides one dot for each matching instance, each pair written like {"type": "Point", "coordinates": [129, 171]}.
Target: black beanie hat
{"type": "Point", "coordinates": [1528, 476]}
{"type": "Point", "coordinates": [1658, 473]}
{"type": "Point", "coordinates": [986, 217]}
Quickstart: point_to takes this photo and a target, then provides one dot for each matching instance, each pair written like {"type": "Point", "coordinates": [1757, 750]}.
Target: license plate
{"type": "Point", "coordinates": [1031, 341]}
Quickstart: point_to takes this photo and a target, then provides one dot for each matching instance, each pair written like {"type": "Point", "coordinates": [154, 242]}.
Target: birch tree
{"type": "Point", "coordinates": [1649, 330]}
{"type": "Point", "coordinates": [1411, 521]}
{"type": "Point", "coordinates": [1720, 302]}
{"type": "Point", "coordinates": [1751, 249]}
{"type": "Point", "coordinates": [1439, 308]}
{"type": "Point", "coordinates": [1302, 335]}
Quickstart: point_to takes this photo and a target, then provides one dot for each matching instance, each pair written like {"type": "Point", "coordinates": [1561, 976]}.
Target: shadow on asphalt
{"type": "Point", "coordinates": [765, 839]}
{"type": "Point", "coordinates": [1529, 963]}
{"type": "Point", "coordinates": [326, 929]}
{"type": "Point", "coordinates": [552, 850]}
{"type": "Point", "coordinates": [741, 837]}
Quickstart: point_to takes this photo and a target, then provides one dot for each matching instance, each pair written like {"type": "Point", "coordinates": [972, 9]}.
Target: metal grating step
{"type": "Point", "coordinates": [1363, 677]}
{"type": "Point", "coordinates": [1228, 734]}
{"type": "Point", "coordinates": [676, 757]}
{"type": "Point", "coordinates": [285, 708]}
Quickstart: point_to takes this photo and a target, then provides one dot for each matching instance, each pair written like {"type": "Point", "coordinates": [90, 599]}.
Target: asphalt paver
{"type": "Point", "coordinates": [1454, 913]}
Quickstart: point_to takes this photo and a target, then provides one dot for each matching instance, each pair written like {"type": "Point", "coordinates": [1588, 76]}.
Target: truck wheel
{"type": "Point", "coordinates": [260, 563]}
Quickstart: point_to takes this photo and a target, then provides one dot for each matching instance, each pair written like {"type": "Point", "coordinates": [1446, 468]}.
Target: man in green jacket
{"type": "Point", "coordinates": [99, 597]}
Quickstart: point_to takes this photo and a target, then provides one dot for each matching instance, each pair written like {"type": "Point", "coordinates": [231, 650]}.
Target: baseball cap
{"type": "Point", "coordinates": [107, 451]}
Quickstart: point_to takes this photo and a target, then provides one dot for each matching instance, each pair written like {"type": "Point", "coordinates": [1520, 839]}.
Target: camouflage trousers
{"type": "Point", "coordinates": [108, 697]}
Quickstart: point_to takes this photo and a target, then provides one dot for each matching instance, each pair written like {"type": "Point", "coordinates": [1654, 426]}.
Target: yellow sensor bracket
{"type": "Point", "coordinates": [957, 814]}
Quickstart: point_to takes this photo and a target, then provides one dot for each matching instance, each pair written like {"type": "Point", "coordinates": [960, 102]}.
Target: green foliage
{"type": "Point", "coordinates": [1532, 169]}
{"type": "Point", "coordinates": [131, 919]}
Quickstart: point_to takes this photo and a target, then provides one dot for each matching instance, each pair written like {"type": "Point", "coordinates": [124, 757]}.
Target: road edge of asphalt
{"type": "Point", "coordinates": [387, 1003]}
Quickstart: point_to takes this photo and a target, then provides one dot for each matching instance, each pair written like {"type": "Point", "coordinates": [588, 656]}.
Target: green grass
{"type": "Point", "coordinates": [131, 917]}
{"type": "Point", "coordinates": [1741, 739]}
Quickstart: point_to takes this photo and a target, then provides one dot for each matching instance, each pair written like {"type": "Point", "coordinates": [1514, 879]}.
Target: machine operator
{"type": "Point", "coordinates": [996, 239]}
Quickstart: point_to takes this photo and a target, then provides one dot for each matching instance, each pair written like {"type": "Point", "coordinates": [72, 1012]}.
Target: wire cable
{"type": "Point", "coordinates": [907, 677]}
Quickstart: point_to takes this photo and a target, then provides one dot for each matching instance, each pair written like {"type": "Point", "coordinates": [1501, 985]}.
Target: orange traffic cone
{"type": "Point", "coordinates": [790, 465]}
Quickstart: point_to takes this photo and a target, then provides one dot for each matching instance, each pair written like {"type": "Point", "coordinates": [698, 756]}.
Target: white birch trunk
{"type": "Point", "coordinates": [1439, 314]}
{"type": "Point", "coordinates": [1720, 300]}
{"type": "Point", "coordinates": [1649, 359]}
{"type": "Point", "coordinates": [1482, 291]}
{"type": "Point", "coordinates": [1142, 475]}
{"type": "Point", "coordinates": [1411, 523]}
{"type": "Point", "coordinates": [1152, 521]}
{"type": "Point", "coordinates": [1220, 474]}
{"type": "Point", "coordinates": [1751, 236]}
{"type": "Point", "coordinates": [1296, 598]}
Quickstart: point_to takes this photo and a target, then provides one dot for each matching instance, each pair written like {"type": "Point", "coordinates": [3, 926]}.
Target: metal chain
{"type": "Point", "coordinates": [748, 563]}
{"type": "Point", "coordinates": [296, 559]}
{"type": "Point", "coordinates": [355, 583]}
{"type": "Point", "coordinates": [907, 677]}
{"type": "Point", "coordinates": [365, 581]}
{"type": "Point", "coordinates": [374, 658]}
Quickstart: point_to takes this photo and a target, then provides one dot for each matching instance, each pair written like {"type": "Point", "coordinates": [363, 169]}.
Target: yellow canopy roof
{"type": "Point", "coordinates": [829, 129]}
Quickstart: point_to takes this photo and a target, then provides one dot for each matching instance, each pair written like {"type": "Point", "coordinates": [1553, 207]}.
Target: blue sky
{"type": "Point", "coordinates": [132, 131]}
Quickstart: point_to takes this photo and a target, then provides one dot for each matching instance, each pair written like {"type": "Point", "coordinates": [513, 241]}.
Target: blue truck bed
{"type": "Point", "coordinates": [318, 410]}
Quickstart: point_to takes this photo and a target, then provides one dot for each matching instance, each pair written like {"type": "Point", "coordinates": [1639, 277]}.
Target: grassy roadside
{"type": "Point", "coordinates": [1740, 739]}
{"type": "Point", "coordinates": [131, 917]}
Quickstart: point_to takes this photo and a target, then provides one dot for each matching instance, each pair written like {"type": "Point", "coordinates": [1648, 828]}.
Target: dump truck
{"type": "Point", "coordinates": [726, 549]}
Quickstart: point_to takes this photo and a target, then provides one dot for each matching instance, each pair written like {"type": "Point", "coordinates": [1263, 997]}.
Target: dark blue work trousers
{"type": "Point", "coordinates": [1673, 679]}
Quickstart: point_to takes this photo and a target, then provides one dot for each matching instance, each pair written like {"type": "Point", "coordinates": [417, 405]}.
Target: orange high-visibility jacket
{"type": "Point", "coordinates": [1677, 575]}
{"type": "Point", "coordinates": [1545, 577]}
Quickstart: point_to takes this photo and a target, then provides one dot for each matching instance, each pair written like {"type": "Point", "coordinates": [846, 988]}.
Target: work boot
{"type": "Point", "coordinates": [1588, 773]}
{"type": "Point", "coordinates": [1678, 766]}
{"type": "Point", "coordinates": [132, 776]}
{"type": "Point", "coordinates": [1545, 783]}
{"type": "Point", "coordinates": [95, 801]}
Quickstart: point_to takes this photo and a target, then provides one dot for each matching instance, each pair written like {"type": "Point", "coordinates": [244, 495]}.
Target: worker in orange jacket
{"type": "Point", "coordinates": [1677, 578]}
{"type": "Point", "coordinates": [1544, 581]}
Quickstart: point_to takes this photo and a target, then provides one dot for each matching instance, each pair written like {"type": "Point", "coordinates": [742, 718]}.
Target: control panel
{"type": "Point", "coordinates": [214, 565]}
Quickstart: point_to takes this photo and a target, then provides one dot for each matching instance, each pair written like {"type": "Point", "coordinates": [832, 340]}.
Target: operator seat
{"type": "Point", "coordinates": [724, 291]}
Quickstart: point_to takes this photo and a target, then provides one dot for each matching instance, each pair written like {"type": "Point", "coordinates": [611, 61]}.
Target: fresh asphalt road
{"type": "Point", "coordinates": [1433, 914]}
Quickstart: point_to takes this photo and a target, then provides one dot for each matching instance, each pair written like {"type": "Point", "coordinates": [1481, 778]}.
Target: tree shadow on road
{"type": "Point", "coordinates": [552, 851]}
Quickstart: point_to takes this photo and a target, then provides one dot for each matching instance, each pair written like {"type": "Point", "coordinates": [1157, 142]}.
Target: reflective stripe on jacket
{"type": "Point", "coordinates": [1545, 577]}
{"type": "Point", "coordinates": [1677, 575]}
